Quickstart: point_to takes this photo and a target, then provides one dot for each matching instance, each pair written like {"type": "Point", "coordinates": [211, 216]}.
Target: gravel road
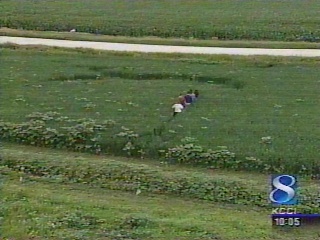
{"type": "Point", "coordinates": [160, 48]}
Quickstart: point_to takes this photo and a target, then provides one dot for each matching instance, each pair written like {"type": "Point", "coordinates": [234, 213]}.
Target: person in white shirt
{"type": "Point", "coordinates": [177, 108]}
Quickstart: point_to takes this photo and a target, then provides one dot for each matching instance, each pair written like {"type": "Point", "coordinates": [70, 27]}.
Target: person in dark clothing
{"type": "Point", "coordinates": [188, 98]}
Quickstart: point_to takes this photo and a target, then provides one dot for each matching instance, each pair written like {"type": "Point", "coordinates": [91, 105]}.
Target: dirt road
{"type": "Point", "coordinates": [160, 48]}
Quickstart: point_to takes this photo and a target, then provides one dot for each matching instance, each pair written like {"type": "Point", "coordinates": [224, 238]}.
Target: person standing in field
{"type": "Point", "coordinates": [177, 108]}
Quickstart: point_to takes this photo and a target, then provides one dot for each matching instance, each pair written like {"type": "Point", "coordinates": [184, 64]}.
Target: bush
{"type": "Point", "coordinates": [132, 177]}
{"type": "Point", "coordinates": [83, 135]}
{"type": "Point", "coordinates": [79, 138]}
{"type": "Point", "coordinates": [188, 152]}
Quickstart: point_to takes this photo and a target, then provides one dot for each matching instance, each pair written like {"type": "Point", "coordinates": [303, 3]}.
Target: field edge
{"type": "Point", "coordinates": [151, 40]}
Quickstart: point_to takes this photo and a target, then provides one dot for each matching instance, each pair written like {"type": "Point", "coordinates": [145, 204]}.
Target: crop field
{"type": "Point", "coordinates": [257, 114]}
{"type": "Point", "coordinates": [89, 148]}
{"type": "Point", "coordinates": [79, 203]}
{"type": "Point", "coordinates": [294, 20]}
{"type": "Point", "coordinates": [264, 111]}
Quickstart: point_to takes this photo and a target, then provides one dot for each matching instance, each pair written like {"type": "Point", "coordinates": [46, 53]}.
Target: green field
{"type": "Point", "coordinates": [59, 194]}
{"type": "Point", "coordinates": [242, 99]}
{"type": "Point", "coordinates": [109, 161]}
{"type": "Point", "coordinates": [202, 19]}
{"type": "Point", "coordinates": [52, 207]}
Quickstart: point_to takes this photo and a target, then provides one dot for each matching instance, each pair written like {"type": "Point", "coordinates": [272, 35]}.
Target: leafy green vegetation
{"type": "Point", "coordinates": [204, 19]}
{"type": "Point", "coordinates": [117, 175]}
{"type": "Point", "coordinates": [263, 110]}
{"type": "Point", "coordinates": [257, 114]}
{"type": "Point", "coordinates": [38, 207]}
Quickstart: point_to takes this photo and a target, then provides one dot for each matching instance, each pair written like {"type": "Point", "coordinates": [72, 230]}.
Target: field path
{"type": "Point", "coordinates": [125, 47]}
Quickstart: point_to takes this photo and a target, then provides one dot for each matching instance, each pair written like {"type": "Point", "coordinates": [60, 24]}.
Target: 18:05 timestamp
{"type": "Point", "coordinates": [287, 221]}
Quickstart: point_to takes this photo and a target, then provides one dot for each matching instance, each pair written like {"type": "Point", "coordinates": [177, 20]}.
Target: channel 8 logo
{"type": "Point", "coordinates": [283, 190]}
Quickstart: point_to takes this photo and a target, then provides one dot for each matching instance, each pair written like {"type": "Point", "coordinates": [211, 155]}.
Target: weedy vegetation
{"type": "Point", "coordinates": [169, 179]}
{"type": "Point", "coordinates": [60, 195]}
{"type": "Point", "coordinates": [256, 114]}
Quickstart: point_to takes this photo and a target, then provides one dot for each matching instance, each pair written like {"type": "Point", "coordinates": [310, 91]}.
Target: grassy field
{"type": "Point", "coordinates": [204, 19]}
{"type": "Point", "coordinates": [34, 207]}
{"type": "Point", "coordinates": [80, 36]}
{"type": "Point", "coordinates": [258, 107]}
{"type": "Point", "coordinates": [242, 99]}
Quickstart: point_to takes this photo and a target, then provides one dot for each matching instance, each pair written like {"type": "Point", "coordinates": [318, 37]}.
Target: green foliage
{"type": "Point", "coordinates": [133, 222]}
{"type": "Point", "coordinates": [74, 77]}
{"type": "Point", "coordinates": [142, 178]}
{"type": "Point", "coordinates": [237, 84]}
{"type": "Point", "coordinates": [188, 152]}
{"type": "Point", "coordinates": [84, 135]}
{"type": "Point", "coordinates": [122, 235]}
{"type": "Point", "coordinates": [273, 20]}
{"type": "Point", "coordinates": [130, 177]}
{"type": "Point", "coordinates": [130, 140]}
{"type": "Point", "coordinates": [41, 201]}
{"type": "Point", "coordinates": [76, 220]}
{"type": "Point", "coordinates": [269, 126]}
{"type": "Point", "coordinates": [133, 74]}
